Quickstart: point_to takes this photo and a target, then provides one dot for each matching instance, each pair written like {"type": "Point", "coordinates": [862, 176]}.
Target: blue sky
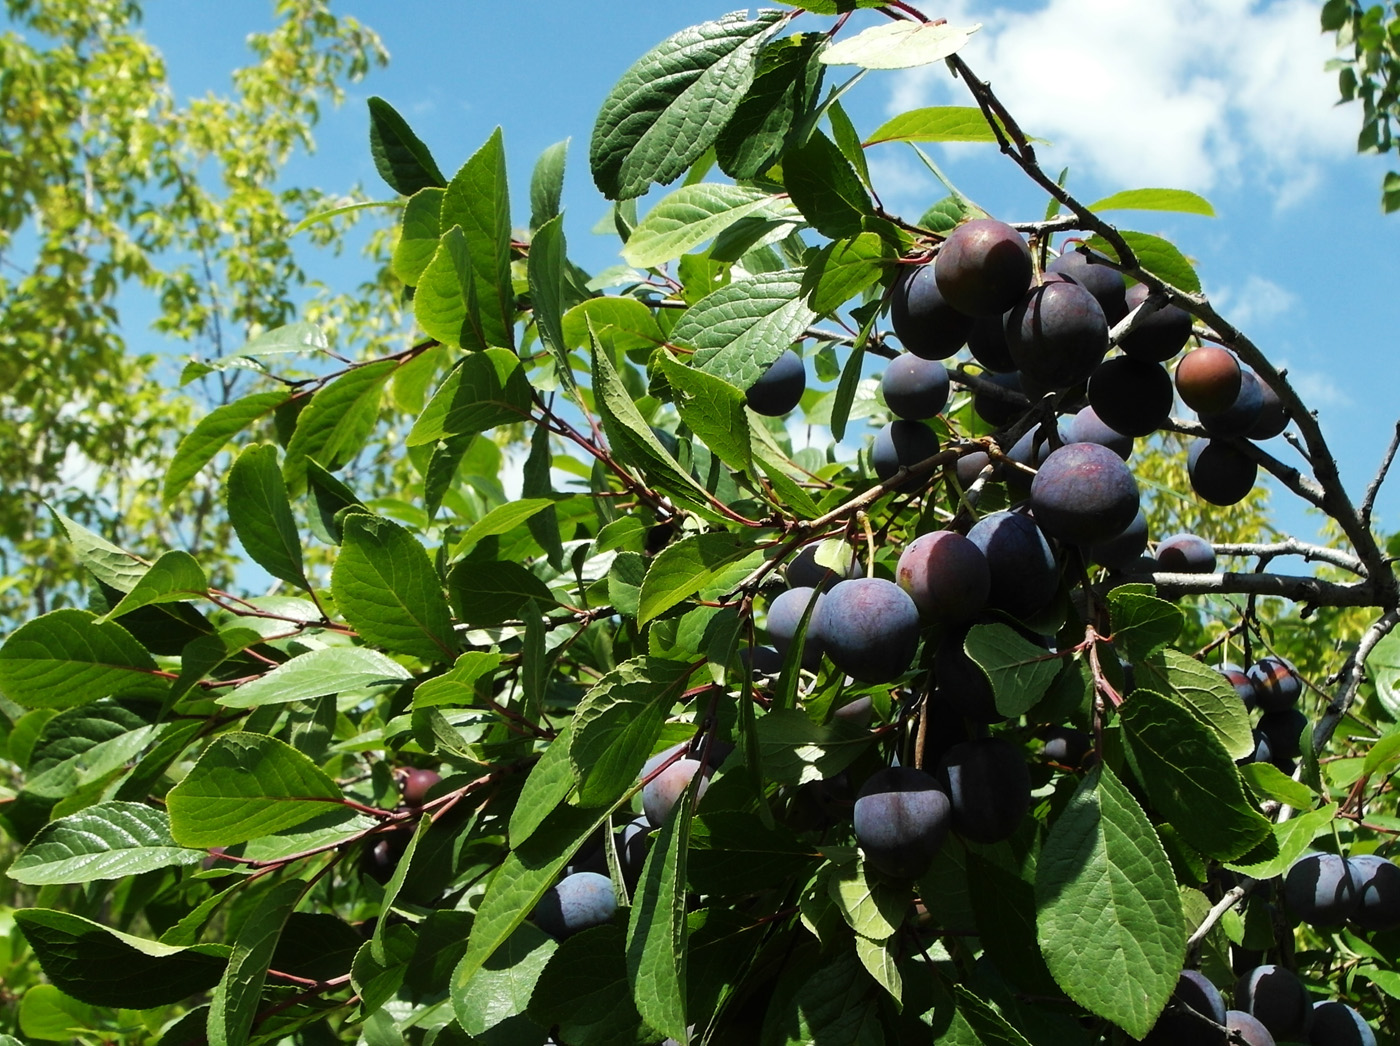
{"type": "Point", "coordinates": [1225, 97]}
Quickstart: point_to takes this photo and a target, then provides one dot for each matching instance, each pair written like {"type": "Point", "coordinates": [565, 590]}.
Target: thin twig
{"type": "Point", "coordinates": [1368, 502]}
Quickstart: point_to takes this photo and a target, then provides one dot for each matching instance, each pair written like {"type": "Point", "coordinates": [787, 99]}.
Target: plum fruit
{"type": "Point", "coordinates": [1320, 890]}
{"type": "Point", "coordinates": [1024, 573]}
{"type": "Point", "coordinates": [994, 410]}
{"type": "Point", "coordinates": [1276, 998]}
{"type": "Point", "coordinates": [1337, 1024]}
{"type": "Point", "coordinates": [988, 786]}
{"type": "Point", "coordinates": [1088, 269]}
{"type": "Point", "coordinates": [415, 784]}
{"type": "Point", "coordinates": [970, 466]}
{"type": "Point", "coordinates": [1066, 745]}
{"type": "Point", "coordinates": [785, 614]}
{"type": "Point", "coordinates": [780, 387]}
{"type": "Point", "coordinates": [915, 388]}
{"type": "Point", "coordinates": [662, 792]}
{"type": "Point", "coordinates": [983, 267]}
{"type": "Point", "coordinates": [946, 575]}
{"type": "Point", "coordinates": [1277, 685]}
{"type": "Point", "coordinates": [1178, 1028]}
{"type": "Point", "coordinates": [1186, 554]}
{"type": "Point", "coordinates": [1284, 731]}
{"type": "Point", "coordinates": [1242, 414]}
{"type": "Point", "coordinates": [1248, 1030]}
{"type": "Point", "coordinates": [901, 444]}
{"type": "Point", "coordinates": [1244, 686]}
{"type": "Point", "coordinates": [1220, 472]}
{"type": "Point", "coordinates": [962, 685]}
{"type": "Point", "coordinates": [803, 570]}
{"type": "Point", "coordinates": [576, 902]}
{"type": "Point", "coordinates": [1272, 420]}
{"type": "Point", "coordinates": [1057, 334]}
{"type": "Point", "coordinates": [987, 343]}
{"type": "Point", "coordinates": [1084, 494]}
{"type": "Point", "coordinates": [901, 819]}
{"type": "Point", "coordinates": [1377, 892]}
{"type": "Point", "coordinates": [870, 628]}
{"type": "Point", "coordinates": [1122, 550]}
{"type": "Point", "coordinates": [1088, 427]}
{"type": "Point", "coordinates": [923, 321]}
{"type": "Point", "coordinates": [1131, 396]}
{"type": "Point", "coordinates": [1159, 335]}
{"type": "Point", "coordinates": [1208, 379]}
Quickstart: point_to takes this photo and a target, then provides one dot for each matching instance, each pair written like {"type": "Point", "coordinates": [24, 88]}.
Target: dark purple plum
{"type": "Point", "coordinates": [577, 902]}
{"type": "Point", "coordinates": [1208, 379]}
{"type": "Point", "coordinates": [1186, 554]}
{"type": "Point", "coordinates": [1088, 427]}
{"type": "Point", "coordinates": [763, 660]}
{"type": "Point", "coordinates": [1178, 1028]}
{"type": "Point", "coordinates": [901, 819]}
{"type": "Point", "coordinates": [803, 570]}
{"type": "Point", "coordinates": [901, 444]}
{"type": "Point", "coordinates": [914, 388]}
{"type": "Point", "coordinates": [962, 685]}
{"type": "Point", "coordinates": [1337, 1024]}
{"type": "Point", "coordinates": [1220, 472]}
{"type": "Point", "coordinates": [1029, 451]}
{"type": "Point", "coordinates": [946, 575]}
{"type": "Point", "coordinates": [416, 783]}
{"type": "Point", "coordinates": [1250, 1032]}
{"type": "Point", "coordinates": [1024, 573]}
{"type": "Point", "coordinates": [1320, 890]}
{"type": "Point", "coordinates": [1066, 745]}
{"type": "Point", "coordinates": [1277, 685]}
{"type": "Point", "coordinates": [785, 614]}
{"type": "Point", "coordinates": [1122, 550]}
{"type": "Point", "coordinates": [1377, 892]}
{"type": "Point", "coordinates": [1159, 335]}
{"type": "Point", "coordinates": [1105, 283]}
{"type": "Point", "coordinates": [970, 466]}
{"type": "Point", "coordinates": [1272, 420]}
{"type": "Point", "coordinates": [1244, 686]}
{"type": "Point", "coordinates": [662, 792]}
{"type": "Point", "coordinates": [925, 324]}
{"type": "Point", "coordinates": [983, 268]}
{"type": "Point", "coordinates": [1084, 494]}
{"type": "Point", "coordinates": [780, 387]}
{"type": "Point", "coordinates": [993, 409]}
{"type": "Point", "coordinates": [1242, 414]}
{"type": "Point", "coordinates": [1057, 334]}
{"type": "Point", "coordinates": [1276, 998]}
{"type": "Point", "coordinates": [860, 711]}
{"type": "Point", "coordinates": [1284, 731]}
{"type": "Point", "coordinates": [870, 628]}
{"type": "Point", "coordinates": [987, 343]}
{"type": "Point", "coordinates": [988, 786]}
{"type": "Point", "coordinates": [1131, 396]}
{"type": "Point", "coordinates": [381, 856]}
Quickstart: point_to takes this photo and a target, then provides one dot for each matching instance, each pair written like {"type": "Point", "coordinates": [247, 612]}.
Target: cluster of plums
{"type": "Point", "coordinates": [1272, 686]}
{"type": "Point", "coordinates": [1272, 1006]}
{"type": "Point", "coordinates": [1325, 890]}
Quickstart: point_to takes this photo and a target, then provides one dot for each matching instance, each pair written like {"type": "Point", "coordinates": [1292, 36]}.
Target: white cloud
{"type": "Point", "coordinates": [1192, 94]}
{"type": "Point", "coordinates": [1257, 301]}
{"type": "Point", "coordinates": [1317, 388]}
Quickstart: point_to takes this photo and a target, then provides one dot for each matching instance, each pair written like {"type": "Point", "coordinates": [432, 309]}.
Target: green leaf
{"type": "Point", "coordinates": [107, 841]}
{"type": "Point", "coordinates": [944, 123]}
{"type": "Point", "coordinates": [850, 376]}
{"type": "Point", "coordinates": [237, 998]}
{"type": "Point", "coordinates": [550, 781]}
{"type": "Point", "coordinates": [687, 567]}
{"type": "Point", "coordinates": [656, 926]}
{"type": "Point", "coordinates": [674, 101]}
{"type": "Point", "coordinates": [111, 565]}
{"type": "Point", "coordinates": [419, 231]}
{"type": "Point", "coordinates": [261, 513]}
{"type": "Point", "coordinates": [1020, 671]}
{"type": "Point", "coordinates": [478, 202]}
{"type": "Point", "coordinates": [834, 7]}
{"type": "Point", "coordinates": [1276, 854]}
{"type": "Point", "coordinates": [825, 188]}
{"type": "Point", "coordinates": [991, 1027]}
{"type": "Point", "coordinates": [1383, 666]}
{"type": "Point", "coordinates": [199, 446]}
{"type": "Point", "coordinates": [1204, 691]}
{"type": "Point", "coordinates": [797, 750]}
{"type": "Point", "coordinates": [1004, 907]}
{"type": "Point", "coordinates": [1155, 200]}
{"type": "Point", "coordinates": [104, 967]}
{"type": "Point", "coordinates": [740, 329]}
{"type": "Point", "coordinates": [1267, 780]}
{"type": "Point", "coordinates": [244, 786]}
{"type": "Point", "coordinates": [1382, 756]}
{"type": "Point", "coordinates": [400, 158]}
{"type": "Point", "coordinates": [547, 184]}
{"type": "Point", "coordinates": [618, 722]}
{"type": "Point", "coordinates": [1189, 777]}
{"type": "Point", "coordinates": [504, 519]}
{"type": "Point", "coordinates": [173, 577]}
{"type": "Point", "coordinates": [385, 586]}
{"type": "Point", "coordinates": [784, 90]}
{"type": "Point", "coordinates": [46, 1013]}
{"type": "Point", "coordinates": [1108, 912]}
{"type": "Point", "coordinates": [714, 410]}
{"type": "Point", "coordinates": [692, 215]}
{"type": "Point", "coordinates": [68, 657]}
{"type": "Point", "coordinates": [874, 910]}
{"type": "Point", "coordinates": [445, 302]}
{"type": "Point", "coordinates": [317, 673]}
{"type": "Point", "coordinates": [492, 593]}
{"type": "Point", "coordinates": [584, 991]}
{"type": "Point", "coordinates": [545, 269]}
{"type": "Point", "coordinates": [337, 422]}
{"type": "Point", "coordinates": [84, 746]}
{"type": "Point", "coordinates": [459, 685]}
{"type": "Point", "coordinates": [1142, 623]}
{"type": "Point", "coordinates": [503, 987]}
{"type": "Point", "coordinates": [1157, 256]}
{"type": "Point", "coordinates": [899, 45]}
{"type": "Point", "coordinates": [626, 321]}
{"type": "Point", "coordinates": [485, 390]}
{"type": "Point", "coordinates": [842, 270]}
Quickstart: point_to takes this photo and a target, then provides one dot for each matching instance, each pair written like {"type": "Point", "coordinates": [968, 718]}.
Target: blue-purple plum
{"type": "Point", "coordinates": [1272, 420]}
{"type": "Point", "coordinates": [987, 343]}
{"type": "Point", "coordinates": [1377, 892]}
{"type": "Point", "coordinates": [662, 792]}
{"type": "Point", "coordinates": [962, 685]}
{"type": "Point", "coordinates": [1066, 745]}
{"type": "Point", "coordinates": [870, 629]}
{"type": "Point", "coordinates": [779, 389]}
{"type": "Point", "coordinates": [1277, 684]}
{"type": "Point", "coordinates": [1088, 269]}
{"type": "Point", "coordinates": [1178, 1028]}
{"type": "Point", "coordinates": [902, 444]}
{"type": "Point", "coordinates": [1084, 494]}
{"type": "Point", "coordinates": [1337, 1024]}
{"type": "Point", "coordinates": [1320, 890]}
{"type": "Point", "coordinates": [988, 786]}
{"type": "Point", "coordinates": [1122, 550]}
{"type": "Point", "coordinates": [803, 570]}
{"type": "Point", "coordinates": [1131, 396]}
{"type": "Point", "coordinates": [945, 575]}
{"type": "Point", "coordinates": [1088, 427]}
{"type": "Point", "coordinates": [925, 324]}
{"type": "Point", "coordinates": [983, 268]}
{"type": "Point", "coordinates": [1248, 1030]}
{"type": "Point", "coordinates": [1159, 335]}
{"type": "Point", "coordinates": [914, 388]}
{"type": "Point", "coordinates": [1219, 472]}
{"type": "Point", "coordinates": [1242, 413]}
{"type": "Point", "coordinates": [901, 819]}
{"type": "Point", "coordinates": [996, 410]}
{"type": "Point", "coordinates": [970, 467]}
{"type": "Point", "coordinates": [1284, 731]}
{"type": "Point", "coordinates": [1244, 686]}
{"type": "Point", "coordinates": [577, 902]}
{"type": "Point", "coordinates": [1022, 565]}
{"type": "Point", "coordinates": [1057, 334]}
{"type": "Point", "coordinates": [1276, 998]}
{"type": "Point", "coordinates": [785, 614]}
{"type": "Point", "coordinates": [1185, 554]}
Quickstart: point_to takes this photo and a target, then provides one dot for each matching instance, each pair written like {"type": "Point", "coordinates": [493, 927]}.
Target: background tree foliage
{"type": "Point", "coordinates": [1370, 74]}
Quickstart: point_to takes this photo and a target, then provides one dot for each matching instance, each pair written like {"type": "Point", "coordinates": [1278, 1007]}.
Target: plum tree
{"type": "Point", "coordinates": [901, 818]}
{"type": "Point", "coordinates": [779, 389]}
{"type": "Point", "coordinates": [945, 575]}
{"type": "Point", "coordinates": [1057, 334]}
{"type": "Point", "coordinates": [869, 628]}
{"type": "Point", "coordinates": [983, 268]}
{"type": "Point", "coordinates": [1084, 494]}
{"type": "Point", "coordinates": [925, 324]}
{"type": "Point", "coordinates": [988, 787]}
{"type": "Point", "coordinates": [914, 388]}
{"type": "Point", "coordinates": [1320, 889]}
{"type": "Point", "coordinates": [1275, 997]}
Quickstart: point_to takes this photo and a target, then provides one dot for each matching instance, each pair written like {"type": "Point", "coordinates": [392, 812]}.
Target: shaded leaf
{"type": "Point", "coordinates": [199, 446]}
{"type": "Point", "coordinates": [68, 657]}
{"type": "Point", "coordinates": [1020, 671]}
{"type": "Point", "coordinates": [825, 188]}
{"type": "Point", "coordinates": [400, 157]}
{"type": "Point", "coordinates": [171, 578]}
{"type": "Point", "coordinates": [236, 1000]}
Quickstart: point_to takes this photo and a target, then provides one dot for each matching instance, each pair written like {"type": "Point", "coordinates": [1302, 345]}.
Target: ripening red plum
{"type": "Point", "coordinates": [924, 323]}
{"type": "Point", "coordinates": [415, 784]}
{"type": "Point", "coordinates": [946, 575]}
{"type": "Point", "coordinates": [901, 819]}
{"type": "Point", "coordinates": [1208, 379]}
{"type": "Point", "coordinates": [1157, 336]}
{"type": "Point", "coordinates": [983, 267]}
{"type": "Point", "coordinates": [779, 389]}
{"type": "Point", "coordinates": [870, 628]}
{"type": "Point", "coordinates": [1220, 472]}
{"type": "Point", "coordinates": [1242, 414]}
{"type": "Point", "coordinates": [1057, 334]}
{"type": "Point", "coordinates": [1084, 494]}
{"type": "Point", "coordinates": [914, 388]}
